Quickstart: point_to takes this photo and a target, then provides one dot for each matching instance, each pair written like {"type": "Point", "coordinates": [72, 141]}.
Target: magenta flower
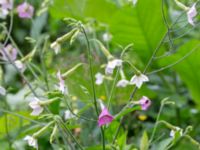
{"type": "Point", "coordinates": [105, 117]}
{"type": "Point", "coordinates": [25, 10]}
{"type": "Point", "coordinates": [145, 102]}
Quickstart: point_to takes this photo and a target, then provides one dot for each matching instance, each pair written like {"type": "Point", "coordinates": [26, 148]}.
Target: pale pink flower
{"type": "Point", "coordinates": [10, 51]}
{"type": "Point", "coordinates": [36, 106]}
{"type": "Point", "coordinates": [99, 78]}
{"type": "Point", "coordinates": [112, 65]}
{"type": "Point", "coordinates": [122, 83]}
{"type": "Point", "coordinates": [145, 102]}
{"type": "Point", "coordinates": [191, 13]}
{"type": "Point", "coordinates": [31, 141]}
{"type": "Point", "coordinates": [139, 79]}
{"type": "Point", "coordinates": [61, 82]}
{"type": "Point", "coordinates": [25, 10]}
{"type": "Point", "coordinates": [6, 4]}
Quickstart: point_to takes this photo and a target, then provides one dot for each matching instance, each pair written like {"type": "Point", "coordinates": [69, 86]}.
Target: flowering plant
{"type": "Point", "coordinates": [124, 76]}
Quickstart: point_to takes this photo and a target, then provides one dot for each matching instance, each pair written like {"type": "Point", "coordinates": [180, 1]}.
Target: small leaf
{"type": "Point", "coordinates": [144, 143]}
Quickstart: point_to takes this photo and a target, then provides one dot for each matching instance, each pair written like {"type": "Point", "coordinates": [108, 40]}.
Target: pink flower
{"type": "Point", "coordinates": [61, 82]}
{"type": "Point", "coordinates": [6, 4]}
{"type": "Point", "coordinates": [25, 10]}
{"type": "Point", "coordinates": [105, 117]}
{"type": "Point", "coordinates": [145, 102]}
{"type": "Point", "coordinates": [191, 13]}
{"type": "Point", "coordinates": [11, 52]}
{"type": "Point", "coordinates": [36, 106]}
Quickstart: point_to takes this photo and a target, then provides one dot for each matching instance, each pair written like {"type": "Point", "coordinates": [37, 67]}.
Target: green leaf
{"type": "Point", "coordinates": [141, 25]}
{"type": "Point", "coordinates": [127, 110]}
{"type": "Point", "coordinates": [163, 144]}
{"type": "Point", "coordinates": [188, 68]}
{"type": "Point", "coordinates": [144, 143]}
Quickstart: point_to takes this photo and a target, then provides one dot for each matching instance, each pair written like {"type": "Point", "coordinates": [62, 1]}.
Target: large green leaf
{"type": "Point", "coordinates": [188, 69]}
{"type": "Point", "coordinates": [141, 25]}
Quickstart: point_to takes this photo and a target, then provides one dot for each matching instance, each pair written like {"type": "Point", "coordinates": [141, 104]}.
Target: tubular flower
{"type": "Point", "coordinates": [111, 66]}
{"type": "Point", "coordinates": [25, 10]}
{"type": "Point", "coordinates": [122, 83]}
{"type": "Point", "coordinates": [99, 78]}
{"type": "Point", "coordinates": [11, 52]}
{"type": "Point", "coordinates": [145, 102]}
{"type": "Point", "coordinates": [31, 141]}
{"type": "Point", "coordinates": [61, 82]}
{"type": "Point", "coordinates": [36, 106]}
{"type": "Point", "coordinates": [105, 117]}
{"type": "Point", "coordinates": [191, 13]}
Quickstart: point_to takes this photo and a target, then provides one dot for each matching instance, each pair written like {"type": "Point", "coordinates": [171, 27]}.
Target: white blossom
{"type": "Point", "coordinates": [99, 78]}
{"type": "Point", "coordinates": [56, 47]}
{"type": "Point", "coordinates": [31, 141]}
{"type": "Point", "coordinates": [20, 65]}
{"type": "Point", "coordinates": [3, 13]}
{"type": "Point", "coordinates": [173, 132]}
{"type": "Point", "coordinates": [138, 80]}
{"type": "Point", "coordinates": [111, 66]}
{"type": "Point", "coordinates": [134, 2]}
{"type": "Point", "coordinates": [122, 83]}
{"type": "Point", "coordinates": [68, 115]}
{"type": "Point", "coordinates": [36, 106]}
{"type": "Point", "coordinates": [107, 37]}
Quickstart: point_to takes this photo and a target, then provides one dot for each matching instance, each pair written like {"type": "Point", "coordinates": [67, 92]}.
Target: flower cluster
{"type": "Point", "coordinates": [25, 10]}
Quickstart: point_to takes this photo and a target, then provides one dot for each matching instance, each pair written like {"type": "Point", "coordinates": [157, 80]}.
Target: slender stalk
{"type": "Point", "coordinates": [92, 78]}
{"type": "Point", "coordinates": [145, 70]}
{"type": "Point", "coordinates": [113, 87]}
{"type": "Point", "coordinates": [21, 74]}
{"type": "Point", "coordinates": [60, 122]}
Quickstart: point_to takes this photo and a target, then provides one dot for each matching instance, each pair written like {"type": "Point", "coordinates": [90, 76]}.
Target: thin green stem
{"type": "Point", "coordinates": [92, 78]}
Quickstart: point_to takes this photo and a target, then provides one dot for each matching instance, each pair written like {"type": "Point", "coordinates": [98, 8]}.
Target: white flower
{"type": "Point", "coordinates": [191, 13]}
{"type": "Point", "coordinates": [122, 83]}
{"type": "Point", "coordinates": [31, 141]}
{"type": "Point", "coordinates": [99, 78]}
{"type": "Point", "coordinates": [139, 79]}
{"type": "Point", "coordinates": [3, 13]}
{"type": "Point", "coordinates": [56, 46]}
{"type": "Point", "coordinates": [61, 82]}
{"type": "Point", "coordinates": [107, 37]}
{"type": "Point", "coordinates": [20, 65]}
{"type": "Point", "coordinates": [35, 105]}
{"type": "Point", "coordinates": [68, 115]}
{"type": "Point", "coordinates": [2, 91]}
{"type": "Point", "coordinates": [173, 132]}
{"type": "Point", "coordinates": [111, 65]}
{"type": "Point", "coordinates": [134, 2]}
